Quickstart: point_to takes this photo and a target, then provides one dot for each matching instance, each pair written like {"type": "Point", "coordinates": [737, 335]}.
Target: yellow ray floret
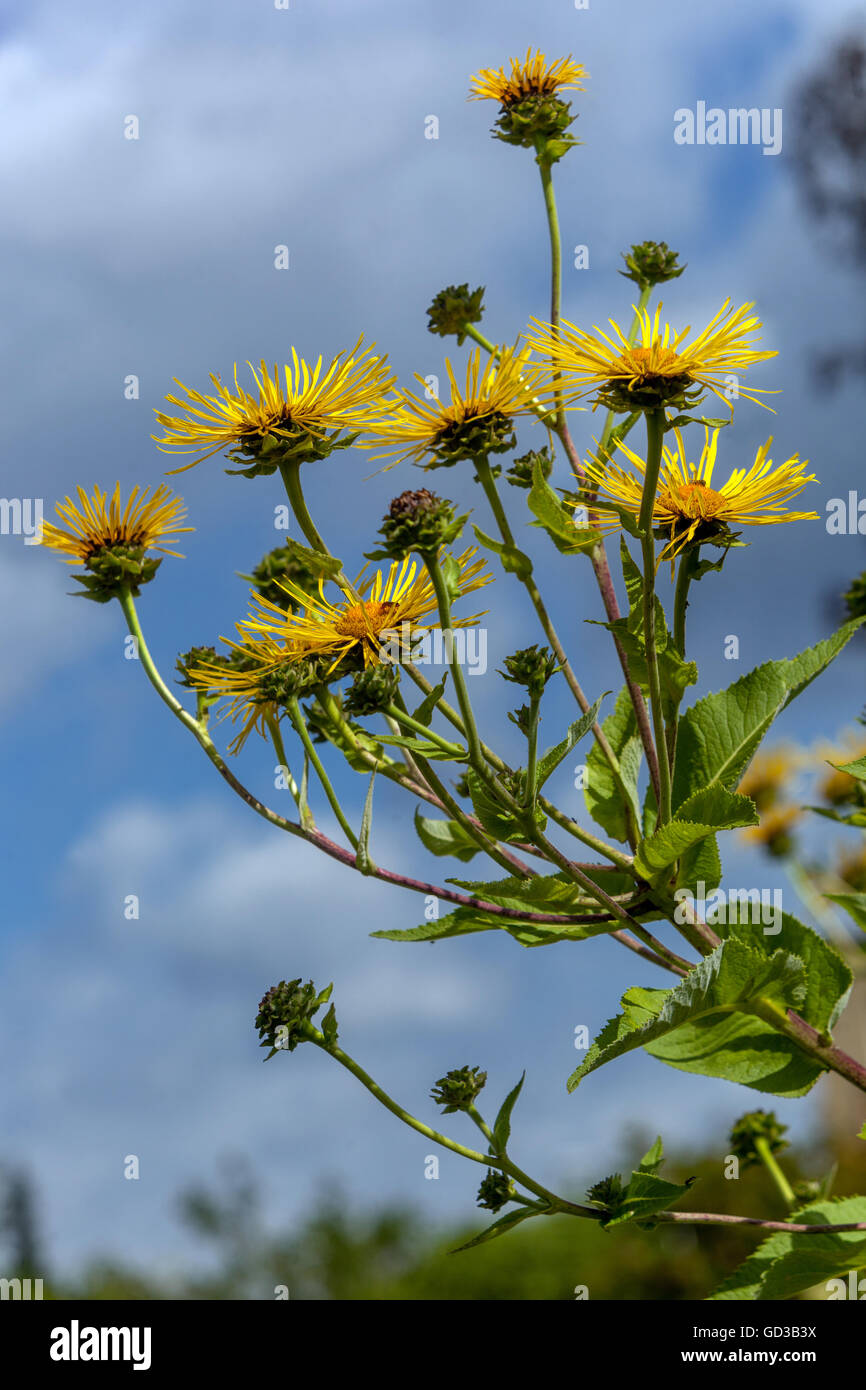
{"type": "Point", "coordinates": [589, 362]}
{"type": "Point", "coordinates": [497, 391]}
{"type": "Point", "coordinates": [531, 77]}
{"type": "Point", "coordinates": [368, 621]}
{"type": "Point", "coordinates": [315, 399]}
{"type": "Point", "coordinates": [96, 522]}
{"type": "Point", "coordinates": [686, 502]}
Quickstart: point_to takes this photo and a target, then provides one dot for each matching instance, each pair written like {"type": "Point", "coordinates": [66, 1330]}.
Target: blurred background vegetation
{"type": "Point", "coordinates": [392, 1253]}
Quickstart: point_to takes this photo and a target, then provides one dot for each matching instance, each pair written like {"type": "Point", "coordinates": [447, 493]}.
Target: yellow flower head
{"type": "Point", "coordinates": [478, 419]}
{"type": "Point", "coordinates": [98, 523]}
{"type": "Point", "coordinates": [303, 403]}
{"type": "Point", "coordinates": [257, 680]}
{"type": "Point", "coordinates": [531, 77]}
{"type": "Point", "coordinates": [687, 505]}
{"type": "Point", "coordinates": [838, 788]}
{"type": "Point", "coordinates": [774, 832]}
{"type": "Point", "coordinates": [367, 625]}
{"type": "Point", "coordinates": [662, 368]}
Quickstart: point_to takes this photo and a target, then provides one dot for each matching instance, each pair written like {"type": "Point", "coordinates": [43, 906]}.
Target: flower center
{"type": "Point", "coordinates": [362, 620]}
{"type": "Point", "coordinates": [656, 360]}
{"type": "Point", "coordinates": [697, 501]}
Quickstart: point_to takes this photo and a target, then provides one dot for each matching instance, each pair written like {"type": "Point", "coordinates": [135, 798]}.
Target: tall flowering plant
{"type": "Point", "coordinates": [332, 662]}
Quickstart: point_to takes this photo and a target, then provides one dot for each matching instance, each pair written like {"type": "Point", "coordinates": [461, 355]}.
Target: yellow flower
{"type": "Point", "coordinates": [687, 505]}
{"type": "Point", "coordinates": [774, 832]}
{"type": "Point", "coordinates": [662, 368]}
{"type": "Point", "coordinates": [97, 523]}
{"type": "Point", "coordinates": [306, 401]}
{"type": "Point", "coordinates": [256, 679]}
{"type": "Point", "coordinates": [476, 420]}
{"type": "Point", "coordinates": [532, 77]}
{"type": "Point", "coordinates": [367, 625]}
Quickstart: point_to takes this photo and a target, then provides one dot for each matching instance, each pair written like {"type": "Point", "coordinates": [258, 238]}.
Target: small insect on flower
{"type": "Point", "coordinates": [533, 76]}
{"type": "Point", "coordinates": [662, 368]}
{"type": "Point", "coordinates": [286, 412]}
{"type": "Point", "coordinates": [686, 504]}
{"type": "Point", "coordinates": [477, 420]}
{"type": "Point", "coordinates": [363, 629]}
{"type": "Point", "coordinates": [112, 540]}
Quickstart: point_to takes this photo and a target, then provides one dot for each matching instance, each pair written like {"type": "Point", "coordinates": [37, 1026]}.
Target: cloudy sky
{"type": "Point", "coordinates": [154, 257]}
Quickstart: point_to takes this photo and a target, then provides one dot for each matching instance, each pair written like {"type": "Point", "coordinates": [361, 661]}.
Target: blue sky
{"type": "Point", "coordinates": [155, 257]}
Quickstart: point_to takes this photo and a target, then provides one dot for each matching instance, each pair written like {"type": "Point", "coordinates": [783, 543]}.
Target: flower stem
{"type": "Point", "coordinates": [768, 1158]}
{"type": "Point", "coordinates": [297, 718]}
{"type": "Point", "coordinates": [434, 569]}
{"type": "Point", "coordinates": [655, 424]}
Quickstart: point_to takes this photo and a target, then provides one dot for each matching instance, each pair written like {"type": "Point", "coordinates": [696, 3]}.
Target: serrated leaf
{"type": "Point", "coordinates": [513, 560]}
{"type": "Point", "coordinates": [601, 793]}
{"type": "Point", "coordinates": [719, 735]}
{"type": "Point", "coordinates": [325, 566]}
{"type": "Point", "coordinates": [576, 731]}
{"type": "Point", "coordinates": [702, 815]}
{"type": "Point", "coordinates": [499, 1228]}
{"type": "Point", "coordinates": [502, 1123]}
{"type": "Point", "coordinates": [788, 1263]}
{"type": "Point", "coordinates": [748, 1050]}
{"type": "Point", "coordinates": [443, 837]}
{"type": "Point", "coordinates": [362, 854]}
{"type": "Point", "coordinates": [732, 980]}
{"type": "Point", "coordinates": [555, 519]}
{"type": "Point", "coordinates": [645, 1195]}
{"type": "Point", "coordinates": [856, 769]}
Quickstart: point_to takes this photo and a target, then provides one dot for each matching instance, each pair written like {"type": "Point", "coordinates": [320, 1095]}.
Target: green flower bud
{"type": "Point", "coordinates": [197, 656]}
{"type": "Point", "coordinates": [454, 309]}
{"type": "Point", "coordinates": [756, 1124]}
{"type": "Point", "coordinates": [651, 263]}
{"type": "Point", "coordinates": [521, 471]}
{"type": "Point", "coordinates": [496, 1189]}
{"type": "Point", "coordinates": [283, 1019]}
{"type": "Point", "coordinates": [678, 392]}
{"type": "Point", "coordinates": [372, 690]}
{"type": "Point", "coordinates": [417, 520]}
{"type": "Point", "coordinates": [531, 666]}
{"type": "Point", "coordinates": [607, 1193]}
{"type": "Point", "coordinates": [280, 684]}
{"type": "Point", "coordinates": [114, 568]}
{"type": "Point", "coordinates": [459, 1089]}
{"type": "Point", "coordinates": [285, 562]}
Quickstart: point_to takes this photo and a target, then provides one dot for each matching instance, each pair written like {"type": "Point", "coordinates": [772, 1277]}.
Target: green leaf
{"type": "Point", "coordinates": [645, 1195]}
{"type": "Point", "coordinates": [701, 815]}
{"type": "Point", "coordinates": [856, 769]}
{"type": "Point", "coordinates": [443, 837]}
{"type": "Point", "coordinates": [748, 1050]}
{"type": "Point", "coordinates": [719, 735]}
{"type": "Point", "coordinates": [467, 920]}
{"type": "Point", "coordinates": [325, 566]}
{"type": "Point", "coordinates": [424, 747]}
{"type": "Point", "coordinates": [497, 820]}
{"type": "Point", "coordinates": [424, 712]}
{"type": "Point", "coordinates": [853, 903]}
{"type": "Point", "coordinates": [329, 1027]}
{"type": "Point", "coordinates": [653, 1158]}
{"type": "Point", "coordinates": [601, 793]}
{"type": "Point", "coordinates": [499, 1228]}
{"type": "Point", "coordinates": [576, 731]}
{"type": "Point", "coordinates": [502, 1124]}
{"type": "Point", "coordinates": [362, 854]}
{"type": "Point", "coordinates": [788, 1263]}
{"type": "Point", "coordinates": [733, 979]}
{"type": "Point", "coordinates": [855, 818]}
{"type": "Point", "coordinates": [555, 519]}
{"type": "Point", "coordinates": [513, 560]}
{"type": "Point", "coordinates": [675, 674]}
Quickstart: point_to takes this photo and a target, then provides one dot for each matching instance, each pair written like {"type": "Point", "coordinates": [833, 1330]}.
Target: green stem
{"type": "Point", "coordinates": [555, 268]}
{"type": "Point", "coordinates": [297, 718]}
{"type": "Point", "coordinates": [783, 1187]}
{"type": "Point", "coordinates": [686, 570]}
{"type": "Point", "coordinates": [632, 335]}
{"type": "Point", "coordinates": [405, 719]}
{"type": "Point", "coordinates": [532, 752]}
{"type": "Point", "coordinates": [655, 425]}
{"type": "Point", "coordinates": [273, 728]}
{"type": "Point", "coordinates": [443, 601]}
{"type": "Point", "coordinates": [291, 476]}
